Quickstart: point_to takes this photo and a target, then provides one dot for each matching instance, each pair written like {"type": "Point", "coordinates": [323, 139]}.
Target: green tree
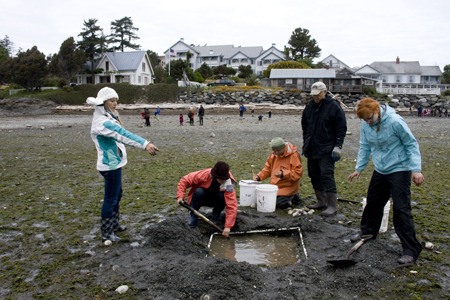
{"type": "Point", "coordinates": [7, 44]}
{"type": "Point", "coordinates": [69, 60]}
{"type": "Point", "coordinates": [123, 33]}
{"type": "Point", "coordinates": [223, 70]}
{"type": "Point", "coordinates": [245, 71]}
{"type": "Point", "coordinates": [93, 43]}
{"type": "Point", "coordinates": [176, 69]}
{"type": "Point", "coordinates": [205, 70]}
{"type": "Point", "coordinates": [446, 75]}
{"type": "Point", "coordinates": [28, 69]}
{"type": "Point", "coordinates": [302, 46]}
{"type": "Point", "coordinates": [289, 64]}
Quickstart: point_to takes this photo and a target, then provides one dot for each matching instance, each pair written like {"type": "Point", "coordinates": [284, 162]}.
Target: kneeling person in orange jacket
{"type": "Point", "coordinates": [284, 167]}
{"type": "Point", "coordinates": [212, 187]}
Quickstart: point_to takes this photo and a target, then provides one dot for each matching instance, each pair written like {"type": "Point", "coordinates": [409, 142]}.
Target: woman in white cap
{"type": "Point", "coordinates": [109, 138]}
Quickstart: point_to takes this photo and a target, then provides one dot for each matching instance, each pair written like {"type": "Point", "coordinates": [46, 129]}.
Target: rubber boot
{"type": "Point", "coordinates": [321, 200]}
{"type": "Point", "coordinates": [107, 228]}
{"type": "Point", "coordinates": [332, 205]}
{"type": "Point", "coordinates": [116, 226]}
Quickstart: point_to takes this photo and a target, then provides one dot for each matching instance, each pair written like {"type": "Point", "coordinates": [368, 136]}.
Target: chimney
{"type": "Point", "coordinates": [397, 61]}
{"type": "Point", "coordinates": [182, 39]}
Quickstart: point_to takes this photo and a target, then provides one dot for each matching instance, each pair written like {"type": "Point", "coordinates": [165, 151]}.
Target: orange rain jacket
{"type": "Point", "coordinates": [291, 164]}
{"type": "Point", "coordinates": [203, 179]}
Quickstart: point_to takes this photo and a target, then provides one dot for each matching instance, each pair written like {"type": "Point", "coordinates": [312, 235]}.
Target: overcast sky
{"type": "Point", "coordinates": [357, 32]}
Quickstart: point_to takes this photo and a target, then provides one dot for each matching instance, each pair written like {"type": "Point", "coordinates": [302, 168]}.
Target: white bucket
{"type": "Point", "coordinates": [247, 195]}
{"type": "Point", "coordinates": [266, 197]}
{"type": "Point", "coordinates": [385, 220]}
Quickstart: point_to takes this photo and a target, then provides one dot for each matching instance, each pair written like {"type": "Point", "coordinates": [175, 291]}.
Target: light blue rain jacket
{"type": "Point", "coordinates": [393, 147]}
{"type": "Point", "coordinates": [109, 138]}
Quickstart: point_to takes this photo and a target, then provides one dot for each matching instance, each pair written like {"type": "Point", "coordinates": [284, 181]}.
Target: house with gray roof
{"type": "Point", "coordinates": [337, 81]}
{"type": "Point", "coordinates": [407, 77]}
{"type": "Point", "coordinates": [229, 55]}
{"type": "Point", "coordinates": [132, 67]}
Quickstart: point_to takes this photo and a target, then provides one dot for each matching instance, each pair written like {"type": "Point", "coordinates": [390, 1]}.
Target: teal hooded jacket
{"type": "Point", "coordinates": [393, 148]}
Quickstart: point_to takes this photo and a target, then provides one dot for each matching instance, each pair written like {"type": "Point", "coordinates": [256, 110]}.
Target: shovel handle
{"type": "Point", "coordinates": [185, 205]}
{"type": "Point", "coordinates": [363, 239]}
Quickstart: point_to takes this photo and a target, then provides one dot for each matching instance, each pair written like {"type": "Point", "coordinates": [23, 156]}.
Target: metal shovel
{"type": "Point", "coordinates": [348, 262]}
{"type": "Point", "coordinates": [184, 204]}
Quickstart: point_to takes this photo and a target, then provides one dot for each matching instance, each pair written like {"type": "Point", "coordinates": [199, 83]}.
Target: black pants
{"type": "Point", "coordinates": [398, 186]}
{"type": "Point", "coordinates": [203, 197]}
{"type": "Point", "coordinates": [321, 172]}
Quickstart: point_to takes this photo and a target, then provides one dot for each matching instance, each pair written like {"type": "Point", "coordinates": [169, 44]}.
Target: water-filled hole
{"type": "Point", "coordinates": [273, 248]}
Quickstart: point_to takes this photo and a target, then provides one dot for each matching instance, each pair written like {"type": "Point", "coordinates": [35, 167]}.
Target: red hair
{"type": "Point", "coordinates": [366, 107]}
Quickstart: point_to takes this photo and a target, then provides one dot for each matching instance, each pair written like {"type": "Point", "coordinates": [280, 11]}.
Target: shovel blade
{"type": "Point", "coordinates": [342, 263]}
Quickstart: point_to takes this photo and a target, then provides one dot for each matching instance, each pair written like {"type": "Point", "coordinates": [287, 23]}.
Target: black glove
{"type": "Point", "coordinates": [336, 154]}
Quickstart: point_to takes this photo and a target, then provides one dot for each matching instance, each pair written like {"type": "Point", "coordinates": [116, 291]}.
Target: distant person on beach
{"type": "Point", "coordinates": [157, 112]}
{"type": "Point", "coordinates": [324, 127]}
{"type": "Point", "coordinates": [242, 109]}
{"type": "Point", "coordinates": [147, 116]}
{"type": "Point", "coordinates": [386, 138]}
{"type": "Point", "coordinates": [201, 114]}
{"type": "Point", "coordinates": [110, 137]}
{"type": "Point", "coordinates": [191, 117]}
{"type": "Point", "coordinates": [181, 119]}
{"type": "Point", "coordinates": [284, 168]}
{"type": "Point", "coordinates": [212, 187]}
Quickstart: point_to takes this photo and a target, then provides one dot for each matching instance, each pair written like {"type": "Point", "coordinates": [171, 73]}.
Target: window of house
{"type": "Point", "coordinates": [106, 66]}
{"type": "Point", "coordinates": [384, 79]}
{"type": "Point", "coordinates": [139, 79]}
{"type": "Point", "coordinates": [235, 60]}
{"type": "Point", "coordinates": [288, 81]}
{"type": "Point", "coordinates": [143, 67]}
{"type": "Point", "coordinates": [244, 60]}
{"type": "Point", "coordinates": [411, 79]}
{"type": "Point", "coordinates": [397, 79]}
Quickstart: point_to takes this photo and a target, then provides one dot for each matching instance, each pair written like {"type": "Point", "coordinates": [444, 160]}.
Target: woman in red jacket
{"type": "Point", "coordinates": [212, 188]}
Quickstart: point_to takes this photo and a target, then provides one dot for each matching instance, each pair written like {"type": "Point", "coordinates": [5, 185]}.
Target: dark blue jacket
{"type": "Point", "coordinates": [324, 127]}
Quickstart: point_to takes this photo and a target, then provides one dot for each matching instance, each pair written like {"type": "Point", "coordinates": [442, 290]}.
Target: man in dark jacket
{"type": "Point", "coordinates": [324, 127]}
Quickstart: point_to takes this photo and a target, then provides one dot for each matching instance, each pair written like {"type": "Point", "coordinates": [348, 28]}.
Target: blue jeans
{"type": "Point", "coordinates": [113, 192]}
{"type": "Point", "coordinates": [398, 186]}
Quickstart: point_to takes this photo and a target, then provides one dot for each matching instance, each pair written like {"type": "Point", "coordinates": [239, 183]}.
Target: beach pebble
{"type": "Point", "coordinates": [107, 243]}
{"type": "Point", "coordinates": [429, 245]}
{"type": "Point", "coordinates": [122, 289]}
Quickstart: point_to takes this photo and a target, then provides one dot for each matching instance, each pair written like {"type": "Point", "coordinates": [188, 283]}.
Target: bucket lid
{"type": "Point", "coordinates": [267, 187]}
{"type": "Point", "coordinates": [247, 182]}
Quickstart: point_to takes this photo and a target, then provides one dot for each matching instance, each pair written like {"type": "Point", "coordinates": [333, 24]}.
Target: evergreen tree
{"type": "Point", "coordinates": [302, 46]}
{"type": "Point", "coordinates": [28, 69]}
{"type": "Point", "coordinates": [93, 43]}
{"type": "Point", "coordinates": [68, 62]}
{"type": "Point", "coordinates": [446, 75]}
{"type": "Point", "coordinates": [122, 34]}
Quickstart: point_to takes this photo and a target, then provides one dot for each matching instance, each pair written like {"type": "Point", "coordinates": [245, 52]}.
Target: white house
{"type": "Point", "coordinates": [228, 55]}
{"type": "Point", "coordinates": [132, 67]}
{"type": "Point", "coordinates": [403, 77]}
{"type": "Point", "coordinates": [334, 63]}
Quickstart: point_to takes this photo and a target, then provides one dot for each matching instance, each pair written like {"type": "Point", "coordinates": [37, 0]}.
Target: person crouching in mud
{"type": "Point", "coordinates": [212, 187]}
{"type": "Point", "coordinates": [284, 167]}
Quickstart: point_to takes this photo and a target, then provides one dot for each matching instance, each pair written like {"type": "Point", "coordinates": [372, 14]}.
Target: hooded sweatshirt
{"type": "Point", "coordinates": [393, 147]}
{"type": "Point", "coordinates": [109, 138]}
{"type": "Point", "coordinates": [291, 165]}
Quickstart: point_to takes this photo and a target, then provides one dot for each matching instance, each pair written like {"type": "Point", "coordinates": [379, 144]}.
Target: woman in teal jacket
{"type": "Point", "coordinates": [110, 138]}
{"type": "Point", "coordinates": [396, 158]}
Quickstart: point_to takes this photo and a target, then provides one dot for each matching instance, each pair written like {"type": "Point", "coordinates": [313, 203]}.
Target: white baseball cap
{"type": "Point", "coordinates": [318, 87]}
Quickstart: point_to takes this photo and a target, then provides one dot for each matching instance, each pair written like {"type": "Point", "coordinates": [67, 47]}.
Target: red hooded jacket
{"type": "Point", "coordinates": [203, 179]}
